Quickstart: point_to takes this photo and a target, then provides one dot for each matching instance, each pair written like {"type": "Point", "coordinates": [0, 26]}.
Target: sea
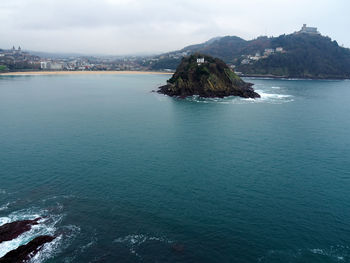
{"type": "Point", "coordinates": [123, 174]}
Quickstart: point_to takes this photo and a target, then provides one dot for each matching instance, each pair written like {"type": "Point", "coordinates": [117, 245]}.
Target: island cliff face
{"type": "Point", "coordinates": [207, 77]}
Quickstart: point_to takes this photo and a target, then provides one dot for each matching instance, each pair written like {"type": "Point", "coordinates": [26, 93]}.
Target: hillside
{"type": "Point", "coordinates": [305, 56]}
{"type": "Point", "coordinates": [206, 76]}
{"type": "Point", "coordinates": [299, 56]}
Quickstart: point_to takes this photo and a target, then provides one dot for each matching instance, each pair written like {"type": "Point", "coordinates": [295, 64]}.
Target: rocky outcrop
{"type": "Point", "coordinates": [26, 252]}
{"type": "Point", "coordinates": [207, 77]}
{"type": "Point", "coordinates": [12, 230]}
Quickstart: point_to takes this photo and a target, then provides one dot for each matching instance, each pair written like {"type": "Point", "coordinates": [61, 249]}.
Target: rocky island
{"type": "Point", "coordinates": [206, 76]}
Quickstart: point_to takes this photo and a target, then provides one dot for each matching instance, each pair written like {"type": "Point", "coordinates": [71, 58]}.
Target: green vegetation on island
{"type": "Point", "coordinates": [206, 76]}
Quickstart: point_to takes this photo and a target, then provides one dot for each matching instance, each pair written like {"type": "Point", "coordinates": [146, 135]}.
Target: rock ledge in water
{"type": "Point", "coordinates": [12, 230]}
{"type": "Point", "coordinates": [26, 252]}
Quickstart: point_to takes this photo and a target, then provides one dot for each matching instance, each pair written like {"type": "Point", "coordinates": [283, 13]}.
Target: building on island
{"type": "Point", "coordinates": [200, 61]}
{"type": "Point", "coordinates": [308, 30]}
{"type": "Point", "coordinates": [268, 51]}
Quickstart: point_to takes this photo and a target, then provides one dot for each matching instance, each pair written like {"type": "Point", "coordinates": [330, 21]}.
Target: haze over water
{"type": "Point", "coordinates": [127, 175]}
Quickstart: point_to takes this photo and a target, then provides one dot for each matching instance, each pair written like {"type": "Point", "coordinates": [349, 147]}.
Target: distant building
{"type": "Point", "coordinates": [56, 66]}
{"type": "Point", "coordinates": [43, 64]}
{"type": "Point", "coordinates": [308, 30]}
{"type": "Point", "coordinates": [200, 61]}
{"type": "Point", "coordinates": [256, 58]}
{"type": "Point", "coordinates": [51, 65]}
{"type": "Point", "coordinates": [269, 51]}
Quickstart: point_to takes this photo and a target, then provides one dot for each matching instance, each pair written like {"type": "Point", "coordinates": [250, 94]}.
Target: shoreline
{"type": "Point", "coordinates": [288, 77]}
{"type": "Point", "coordinates": [129, 72]}
{"type": "Point", "coordinates": [138, 72]}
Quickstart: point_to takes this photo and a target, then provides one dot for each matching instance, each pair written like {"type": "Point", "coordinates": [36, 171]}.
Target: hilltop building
{"type": "Point", "coordinates": [200, 61]}
{"type": "Point", "coordinates": [308, 30]}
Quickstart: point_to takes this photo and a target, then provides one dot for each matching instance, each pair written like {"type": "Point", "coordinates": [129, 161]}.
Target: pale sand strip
{"type": "Point", "coordinates": [81, 72]}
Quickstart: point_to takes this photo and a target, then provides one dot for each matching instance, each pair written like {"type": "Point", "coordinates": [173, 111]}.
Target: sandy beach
{"type": "Point", "coordinates": [81, 73]}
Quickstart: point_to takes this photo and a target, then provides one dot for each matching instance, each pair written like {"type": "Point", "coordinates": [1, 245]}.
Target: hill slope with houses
{"type": "Point", "coordinates": [303, 54]}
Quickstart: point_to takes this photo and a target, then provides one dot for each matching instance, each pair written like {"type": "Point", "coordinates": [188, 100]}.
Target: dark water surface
{"type": "Point", "coordinates": [126, 175]}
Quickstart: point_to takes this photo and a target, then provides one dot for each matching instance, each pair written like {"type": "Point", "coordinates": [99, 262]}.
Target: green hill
{"type": "Point", "coordinates": [302, 56]}
{"type": "Point", "coordinates": [305, 56]}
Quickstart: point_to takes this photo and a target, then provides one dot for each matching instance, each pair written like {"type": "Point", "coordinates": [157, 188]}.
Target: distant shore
{"type": "Point", "coordinates": [31, 73]}
{"type": "Point", "coordinates": [258, 76]}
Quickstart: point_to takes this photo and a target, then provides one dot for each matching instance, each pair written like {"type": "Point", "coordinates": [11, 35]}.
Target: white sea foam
{"type": "Point", "coordinates": [55, 197]}
{"type": "Point", "coordinates": [5, 206]}
{"type": "Point", "coordinates": [266, 97]}
{"type": "Point", "coordinates": [274, 98]}
{"type": "Point", "coordinates": [133, 242]}
{"type": "Point", "coordinates": [47, 251]}
{"type": "Point", "coordinates": [334, 253]}
{"type": "Point", "coordinates": [47, 226]}
{"type": "Point", "coordinates": [88, 245]}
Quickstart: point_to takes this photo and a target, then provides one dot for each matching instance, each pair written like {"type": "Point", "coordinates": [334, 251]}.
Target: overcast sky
{"type": "Point", "coordinates": [153, 26]}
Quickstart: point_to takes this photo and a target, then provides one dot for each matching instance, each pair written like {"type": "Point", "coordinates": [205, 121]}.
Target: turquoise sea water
{"type": "Point", "coordinates": [127, 175]}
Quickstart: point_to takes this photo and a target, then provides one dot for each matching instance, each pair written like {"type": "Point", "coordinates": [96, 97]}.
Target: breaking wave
{"type": "Point", "coordinates": [48, 225]}
{"type": "Point", "coordinates": [266, 97]}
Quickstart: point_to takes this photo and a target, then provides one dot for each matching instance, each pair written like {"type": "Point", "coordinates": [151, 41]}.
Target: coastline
{"type": "Point", "coordinates": [258, 76]}
{"type": "Point", "coordinates": [33, 73]}
{"type": "Point", "coordinates": [130, 72]}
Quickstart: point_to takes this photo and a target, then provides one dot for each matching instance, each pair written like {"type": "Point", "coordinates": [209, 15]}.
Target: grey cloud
{"type": "Point", "coordinates": [128, 26]}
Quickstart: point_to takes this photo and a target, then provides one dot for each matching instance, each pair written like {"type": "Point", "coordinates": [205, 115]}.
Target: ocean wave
{"type": "Point", "coordinates": [5, 206]}
{"type": "Point", "coordinates": [133, 242]}
{"type": "Point", "coordinates": [88, 245]}
{"type": "Point", "coordinates": [55, 197]}
{"type": "Point", "coordinates": [273, 97]}
{"type": "Point", "coordinates": [48, 225]}
{"type": "Point", "coordinates": [266, 97]}
{"type": "Point", "coordinates": [47, 251]}
{"type": "Point", "coordinates": [337, 253]}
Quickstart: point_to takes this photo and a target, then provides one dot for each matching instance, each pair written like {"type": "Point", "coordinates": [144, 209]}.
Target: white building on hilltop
{"type": "Point", "coordinates": [308, 30]}
{"type": "Point", "coordinates": [200, 61]}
